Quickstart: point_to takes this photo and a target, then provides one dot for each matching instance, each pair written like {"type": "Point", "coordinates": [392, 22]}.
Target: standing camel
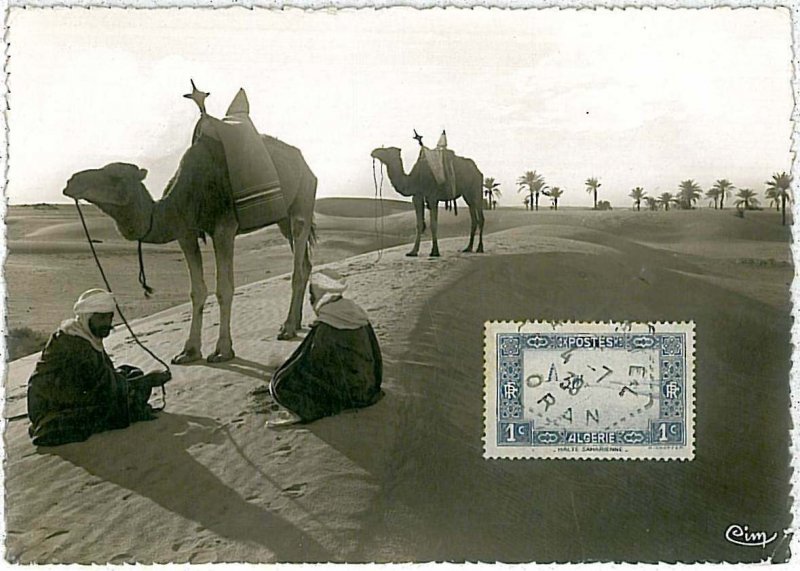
{"type": "Point", "coordinates": [198, 202]}
{"type": "Point", "coordinates": [421, 185]}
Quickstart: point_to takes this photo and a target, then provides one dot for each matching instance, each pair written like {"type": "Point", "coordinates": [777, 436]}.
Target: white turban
{"type": "Point", "coordinates": [95, 301]}
{"type": "Point", "coordinates": [328, 281]}
{"type": "Point", "coordinates": [329, 285]}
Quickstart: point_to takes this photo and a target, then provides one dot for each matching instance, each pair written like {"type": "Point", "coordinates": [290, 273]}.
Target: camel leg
{"type": "Point", "coordinates": [481, 219]}
{"type": "Point", "coordinates": [224, 235]}
{"type": "Point", "coordinates": [301, 230]}
{"type": "Point", "coordinates": [473, 225]}
{"type": "Point", "coordinates": [419, 208]}
{"type": "Point", "coordinates": [194, 261]}
{"type": "Point", "coordinates": [434, 228]}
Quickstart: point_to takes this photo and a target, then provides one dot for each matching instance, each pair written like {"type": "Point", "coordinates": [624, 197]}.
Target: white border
{"type": "Point", "coordinates": [792, 5]}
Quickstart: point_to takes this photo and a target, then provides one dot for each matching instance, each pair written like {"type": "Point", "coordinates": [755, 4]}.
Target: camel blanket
{"type": "Point", "coordinates": [440, 162]}
{"type": "Point", "coordinates": [256, 188]}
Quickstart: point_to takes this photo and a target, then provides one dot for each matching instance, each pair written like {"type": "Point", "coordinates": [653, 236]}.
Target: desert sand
{"type": "Point", "coordinates": [404, 480]}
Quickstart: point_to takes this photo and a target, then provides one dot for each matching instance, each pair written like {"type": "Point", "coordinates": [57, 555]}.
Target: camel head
{"type": "Point", "coordinates": [393, 159]}
{"type": "Point", "coordinates": [118, 191]}
{"type": "Point", "coordinates": [386, 155]}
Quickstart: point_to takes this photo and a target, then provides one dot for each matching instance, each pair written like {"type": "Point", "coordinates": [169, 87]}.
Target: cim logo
{"type": "Point", "coordinates": [741, 535]}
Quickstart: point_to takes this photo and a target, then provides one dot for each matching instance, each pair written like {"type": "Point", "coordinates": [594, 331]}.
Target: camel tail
{"type": "Point", "coordinates": [312, 236]}
{"type": "Point", "coordinates": [286, 229]}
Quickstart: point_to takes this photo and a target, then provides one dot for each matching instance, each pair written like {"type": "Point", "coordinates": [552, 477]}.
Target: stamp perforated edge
{"type": "Point", "coordinates": [490, 399]}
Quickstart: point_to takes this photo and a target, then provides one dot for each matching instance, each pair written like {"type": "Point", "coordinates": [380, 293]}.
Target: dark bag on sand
{"type": "Point", "coordinates": [138, 394]}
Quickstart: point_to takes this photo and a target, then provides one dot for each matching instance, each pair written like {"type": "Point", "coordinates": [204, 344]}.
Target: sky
{"type": "Point", "coordinates": [634, 98]}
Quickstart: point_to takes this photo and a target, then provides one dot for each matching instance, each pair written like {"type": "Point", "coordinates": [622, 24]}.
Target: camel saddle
{"type": "Point", "coordinates": [257, 195]}
{"type": "Point", "coordinates": [440, 161]}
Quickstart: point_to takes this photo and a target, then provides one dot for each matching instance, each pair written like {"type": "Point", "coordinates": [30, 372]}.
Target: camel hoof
{"type": "Point", "coordinates": [480, 250]}
{"type": "Point", "coordinates": [217, 357]}
{"type": "Point", "coordinates": [186, 357]}
{"type": "Point", "coordinates": [467, 250]}
{"type": "Point", "coordinates": [286, 335]}
{"type": "Point", "coordinates": [411, 255]}
{"type": "Point", "coordinates": [434, 254]}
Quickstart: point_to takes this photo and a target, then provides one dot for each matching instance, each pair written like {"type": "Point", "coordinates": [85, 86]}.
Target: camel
{"type": "Point", "coordinates": [198, 202]}
{"type": "Point", "coordinates": [421, 185]}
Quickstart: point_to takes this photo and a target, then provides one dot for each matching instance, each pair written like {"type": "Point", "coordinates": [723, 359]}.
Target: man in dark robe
{"type": "Point", "coordinates": [75, 390]}
{"type": "Point", "coordinates": [338, 366]}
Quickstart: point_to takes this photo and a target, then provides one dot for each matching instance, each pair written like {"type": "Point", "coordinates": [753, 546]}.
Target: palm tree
{"type": "Point", "coordinates": [713, 193]}
{"type": "Point", "coordinates": [652, 203]}
{"type": "Point", "coordinates": [637, 194]}
{"type": "Point", "coordinates": [724, 187]}
{"type": "Point", "coordinates": [780, 184]}
{"type": "Point", "coordinates": [666, 199]}
{"type": "Point", "coordinates": [533, 183]}
{"type": "Point", "coordinates": [690, 192]}
{"type": "Point", "coordinates": [747, 198]}
{"type": "Point", "coordinates": [491, 189]}
{"type": "Point", "coordinates": [774, 198]}
{"type": "Point", "coordinates": [592, 184]}
{"type": "Point", "coordinates": [555, 193]}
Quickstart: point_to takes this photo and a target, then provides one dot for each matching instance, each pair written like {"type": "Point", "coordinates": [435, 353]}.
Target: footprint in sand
{"type": "Point", "coordinates": [295, 490]}
{"type": "Point", "coordinates": [57, 533]}
{"type": "Point", "coordinates": [283, 451]}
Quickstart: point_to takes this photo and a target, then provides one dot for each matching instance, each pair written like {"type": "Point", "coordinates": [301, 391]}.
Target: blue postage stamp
{"type": "Point", "coordinates": [589, 390]}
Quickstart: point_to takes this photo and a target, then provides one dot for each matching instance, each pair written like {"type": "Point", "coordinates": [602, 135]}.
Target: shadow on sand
{"type": "Point", "coordinates": [156, 464]}
{"type": "Point", "coordinates": [240, 366]}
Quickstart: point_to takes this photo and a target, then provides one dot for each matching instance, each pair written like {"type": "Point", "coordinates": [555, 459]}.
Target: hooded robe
{"type": "Point", "coordinates": [75, 391]}
{"type": "Point", "coordinates": [338, 366]}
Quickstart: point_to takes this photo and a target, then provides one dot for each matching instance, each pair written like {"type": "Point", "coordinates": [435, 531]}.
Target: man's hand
{"type": "Point", "coordinates": [159, 378]}
{"type": "Point", "coordinates": [155, 379]}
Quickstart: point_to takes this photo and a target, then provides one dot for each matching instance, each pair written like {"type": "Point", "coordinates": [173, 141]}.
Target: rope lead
{"type": "Point", "coordinates": [148, 291]}
{"type": "Point", "coordinates": [119, 311]}
{"type": "Point", "coordinates": [379, 198]}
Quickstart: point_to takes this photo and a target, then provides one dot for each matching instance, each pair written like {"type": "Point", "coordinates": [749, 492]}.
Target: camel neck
{"type": "Point", "coordinates": [160, 228]}
{"type": "Point", "coordinates": [398, 176]}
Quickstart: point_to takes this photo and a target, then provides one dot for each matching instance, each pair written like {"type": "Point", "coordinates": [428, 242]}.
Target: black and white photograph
{"type": "Point", "coordinates": [393, 285]}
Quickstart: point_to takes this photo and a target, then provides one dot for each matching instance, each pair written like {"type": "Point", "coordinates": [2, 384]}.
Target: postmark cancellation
{"type": "Point", "coordinates": [614, 391]}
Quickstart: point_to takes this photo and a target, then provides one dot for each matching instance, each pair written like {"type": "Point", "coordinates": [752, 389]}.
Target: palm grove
{"type": "Point", "coordinates": [533, 186]}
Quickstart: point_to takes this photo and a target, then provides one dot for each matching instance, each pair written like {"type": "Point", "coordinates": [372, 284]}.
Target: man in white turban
{"type": "Point", "coordinates": [338, 365]}
{"type": "Point", "coordinates": [75, 390]}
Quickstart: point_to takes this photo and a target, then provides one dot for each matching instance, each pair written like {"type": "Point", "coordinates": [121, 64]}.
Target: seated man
{"type": "Point", "coordinates": [337, 366]}
{"type": "Point", "coordinates": [75, 391]}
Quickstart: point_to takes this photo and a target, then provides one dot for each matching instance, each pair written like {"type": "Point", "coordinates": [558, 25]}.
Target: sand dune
{"type": "Point", "coordinates": [404, 480]}
{"type": "Point", "coordinates": [361, 208]}
{"type": "Point", "coordinates": [46, 273]}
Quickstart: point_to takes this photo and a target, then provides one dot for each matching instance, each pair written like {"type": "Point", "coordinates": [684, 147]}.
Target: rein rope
{"type": "Point", "coordinates": [119, 311]}
{"type": "Point", "coordinates": [379, 197]}
{"type": "Point", "coordinates": [148, 291]}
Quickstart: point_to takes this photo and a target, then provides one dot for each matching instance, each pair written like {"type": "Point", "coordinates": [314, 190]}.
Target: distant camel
{"type": "Point", "coordinates": [421, 185]}
{"type": "Point", "coordinates": [198, 201]}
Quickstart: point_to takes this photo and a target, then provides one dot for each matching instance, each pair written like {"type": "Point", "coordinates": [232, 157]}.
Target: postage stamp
{"type": "Point", "coordinates": [621, 391]}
